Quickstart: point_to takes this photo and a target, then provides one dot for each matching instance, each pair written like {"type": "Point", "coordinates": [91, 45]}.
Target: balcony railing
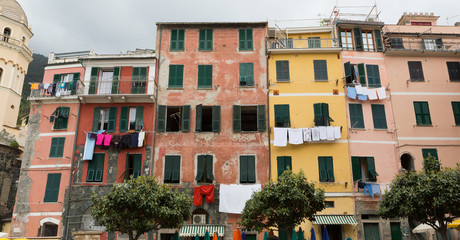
{"type": "Point", "coordinates": [434, 45]}
{"type": "Point", "coordinates": [10, 40]}
{"type": "Point", "coordinates": [59, 89]}
{"type": "Point", "coordinates": [302, 43]}
{"type": "Point", "coordinates": [128, 85]}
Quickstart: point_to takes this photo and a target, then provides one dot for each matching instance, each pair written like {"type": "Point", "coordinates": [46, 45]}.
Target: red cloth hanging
{"type": "Point", "coordinates": [207, 190]}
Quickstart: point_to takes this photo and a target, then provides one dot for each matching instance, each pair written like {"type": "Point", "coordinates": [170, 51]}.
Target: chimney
{"type": "Point", "coordinates": [457, 24]}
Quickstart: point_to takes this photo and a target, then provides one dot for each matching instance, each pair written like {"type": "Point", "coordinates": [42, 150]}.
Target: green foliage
{"type": "Point", "coordinates": [141, 205]}
{"type": "Point", "coordinates": [283, 204]}
{"type": "Point", "coordinates": [14, 144]}
{"type": "Point", "coordinates": [427, 196]}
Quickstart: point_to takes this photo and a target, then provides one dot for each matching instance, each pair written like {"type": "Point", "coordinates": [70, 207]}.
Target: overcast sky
{"type": "Point", "coordinates": [113, 26]}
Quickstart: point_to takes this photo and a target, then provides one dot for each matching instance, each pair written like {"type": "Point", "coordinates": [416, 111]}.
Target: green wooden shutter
{"type": "Point", "coordinates": [282, 115]}
{"type": "Point", "coordinates": [422, 113]}
{"type": "Point", "coordinates": [373, 76]}
{"type": "Point", "coordinates": [172, 76]}
{"type": "Point", "coordinates": [347, 68]}
{"type": "Point", "coordinates": [93, 80]}
{"type": "Point", "coordinates": [439, 43]}
{"type": "Point", "coordinates": [91, 170]}
{"type": "Point", "coordinates": [358, 39]}
{"type": "Point", "coordinates": [176, 169]}
{"type": "Point", "coordinates": [243, 74]}
{"type": "Point", "coordinates": [99, 169]}
{"type": "Point", "coordinates": [325, 113]}
{"type": "Point", "coordinates": [173, 43]}
{"type": "Point", "coordinates": [356, 166]}
{"type": "Point", "coordinates": [161, 125]}
{"type": "Point", "coordinates": [198, 118]}
{"type": "Point", "coordinates": [378, 115]}
{"type": "Point", "coordinates": [124, 119]}
{"type": "Point", "coordinates": [205, 76]}
{"type": "Point", "coordinates": [378, 40]}
{"type": "Point", "coordinates": [280, 165]}
{"type": "Point", "coordinates": [287, 163]}
{"type": "Point", "coordinates": [75, 80]}
{"type": "Point", "coordinates": [282, 71]}
{"type": "Point", "coordinates": [116, 80]}
{"type": "Point", "coordinates": [356, 115]}
{"type": "Point", "coordinates": [242, 37]}
{"type": "Point", "coordinates": [112, 119]}
{"type": "Point", "coordinates": [249, 41]}
{"type": "Point", "coordinates": [432, 151]}
{"type": "Point", "coordinates": [426, 113]}
{"type": "Point", "coordinates": [176, 74]}
{"type": "Point", "coordinates": [322, 169]}
{"type": "Point", "coordinates": [57, 78]}
{"type": "Point", "coordinates": [320, 70]}
{"type": "Point", "coordinates": [209, 167]}
{"type": "Point", "coordinates": [53, 183]}
{"type": "Point", "coordinates": [361, 74]}
{"type": "Point", "coordinates": [135, 80]}
{"type": "Point", "coordinates": [330, 169]}
{"type": "Point", "coordinates": [318, 114]}
{"type": "Point", "coordinates": [168, 168]}
{"type": "Point", "coordinates": [339, 36]}
{"type": "Point", "coordinates": [177, 39]}
{"type": "Point", "coordinates": [139, 118]}
{"type": "Point", "coordinates": [251, 169]}
{"type": "Point", "coordinates": [236, 118]}
{"type": "Point", "coordinates": [371, 169]}
{"type": "Point", "coordinates": [181, 39]}
{"type": "Point", "coordinates": [456, 111]}
{"type": "Point", "coordinates": [250, 74]}
{"type": "Point", "coordinates": [137, 165]}
{"type": "Point", "coordinates": [261, 118]}
{"type": "Point", "coordinates": [57, 147]}
{"type": "Point", "coordinates": [185, 118]}
{"type": "Point", "coordinates": [209, 39]}
{"type": "Point", "coordinates": [96, 118]}
{"type": "Point", "coordinates": [202, 40]}
{"type": "Point", "coordinates": [200, 168]}
{"type": "Point", "coordinates": [216, 118]}
{"type": "Point", "coordinates": [61, 122]}
{"type": "Point", "coordinates": [244, 169]}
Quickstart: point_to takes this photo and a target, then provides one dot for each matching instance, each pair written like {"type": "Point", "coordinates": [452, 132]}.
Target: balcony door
{"type": "Point", "coordinates": [105, 83]}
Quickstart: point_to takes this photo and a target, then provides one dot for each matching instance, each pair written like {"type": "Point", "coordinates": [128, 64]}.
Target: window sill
{"type": "Point", "coordinates": [423, 125]}
{"type": "Point", "coordinates": [327, 80]}
{"type": "Point", "coordinates": [60, 129]}
{"type": "Point", "coordinates": [245, 50]}
{"type": "Point", "coordinates": [175, 88]}
{"type": "Point", "coordinates": [247, 183]}
{"type": "Point", "coordinates": [205, 50]}
{"type": "Point", "coordinates": [205, 88]}
{"type": "Point", "coordinates": [381, 129]}
{"type": "Point", "coordinates": [458, 81]}
{"type": "Point", "coordinates": [176, 50]}
{"type": "Point", "coordinates": [255, 131]}
{"type": "Point", "coordinates": [247, 86]}
{"type": "Point", "coordinates": [361, 129]}
{"type": "Point", "coordinates": [283, 81]}
{"type": "Point", "coordinates": [413, 80]}
{"type": "Point", "coordinates": [172, 184]}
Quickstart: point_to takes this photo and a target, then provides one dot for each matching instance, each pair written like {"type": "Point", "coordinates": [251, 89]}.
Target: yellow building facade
{"type": "Point", "coordinates": [306, 80]}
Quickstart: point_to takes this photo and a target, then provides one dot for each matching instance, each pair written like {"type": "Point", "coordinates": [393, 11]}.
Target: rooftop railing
{"type": "Point", "coordinates": [423, 44]}
{"type": "Point", "coordinates": [302, 43]}
{"type": "Point", "coordinates": [19, 43]}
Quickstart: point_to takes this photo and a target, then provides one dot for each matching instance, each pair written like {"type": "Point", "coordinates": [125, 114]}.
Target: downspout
{"type": "Point", "coordinates": [157, 72]}
{"type": "Point", "coordinates": [268, 111]}
{"type": "Point", "coordinates": [66, 233]}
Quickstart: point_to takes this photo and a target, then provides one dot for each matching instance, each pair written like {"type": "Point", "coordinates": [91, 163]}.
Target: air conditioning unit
{"type": "Point", "coordinates": [199, 219]}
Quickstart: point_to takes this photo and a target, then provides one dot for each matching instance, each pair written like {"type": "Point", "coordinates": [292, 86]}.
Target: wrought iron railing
{"type": "Point", "coordinates": [289, 43]}
{"type": "Point", "coordinates": [423, 44]}
{"type": "Point", "coordinates": [10, 40]}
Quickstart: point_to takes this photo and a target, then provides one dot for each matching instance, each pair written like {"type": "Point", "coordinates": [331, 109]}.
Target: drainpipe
{"type": "Point", "coordinates": [66, 233]}
{"type": "Point", "coordinates": [157, 72]}
{"type": "Point", "coordinates": [268, 113]}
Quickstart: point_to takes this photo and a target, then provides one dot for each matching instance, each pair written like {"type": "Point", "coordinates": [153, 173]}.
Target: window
{"type": "Point", "coordinates": [420, 23]}
{"type": "Point", "coordinates": [246, 74]}
{"type": "Point", "coordinates": [133, 166]}
{"type": "Point", "coordinates": [247, 169]}
{"type": "Point", "coordinates": [358, 39]}
{"type": "Point", "coordinates": [396, 43]}
{"type": "Point", "coordinates": [95, 168]}
{"type": "Point", "coordinates": [283, 163]}
{"type": "Point", "coordinates": [454, 71]}
{"type": "Point", "coordinates": [282, 118]}
{"type": "Point", "coordinates": [105, 81]}
{"type": "Point", "coordinates": [172, 169]}
{"type": "Point", "coordinates": [205, 41]}
{"type": "Point", "coordinates": [92, 80]}
{"type": "Point", "coordinates": [177, 39]}
{"type": "Point", "coordinates": [101, 119]}
{"type": "Point", "coordinates": [207, 118]}
{"type": "Point", "coordinates": [204, 76]}
{"type": "Point", "coordinates": [378, 115]}
{"type": "Point", "coordinates": [282, 71]}
{"type": "Point", "coordinates": [176, 76]}
{"type": "Point", "coordinates": [329, 204]}
{"type": "Point", "coordinates": [368, 41]}
{"type": "Point", "coordinates": [321, 112]}
{"type": "Point", "coordinates": [173, 118]}
{"type": "Point", "coordinates": [204, 169]}
{"type": "Point", "coordinates": [320, 67]}
{"type": "Point", "coordinates": [373, 76]}
{"type": "Point", "coordinates": [49, 230]}
{"type": "Point", "coordinates": [52, 187]}
{"type": "Point", "coordinates": [356, 115]}
{"type": "Point", "coordinates": [326, 169]}
{"type": "Point", "coordinates": [139, 80]}
{"type": "Point", "coordinates": [68, 83]}
{"type": "Point", "coordinates": [422, 113]}
{"type": "Point", "coordinates": [364, 169]}
{"type": "Point", "coordinates": [314, 42]}
{"type": "Point", "coordinates": [346, 39]}
{"type": "Point", "coordinates": [6, 34]}
{"type": "Point", "coordinates": [249, 118]}
{"type": "Point", "coordinates": [416, 71]}
{"type": "Point", "coordinates": [61, 117]}
{"type": "Point", "coordinates": [432, 44]}
{"type": "Point", "coordinates": [456, 111]}
{"type": "Point", "coordinates": [136, 118]}
{"type": "Point", "coordinates": [432, 151]}
{"type": "Point", "coordinates": [57, 147]}
{"type": "Point", "coordinates": [245, 39]}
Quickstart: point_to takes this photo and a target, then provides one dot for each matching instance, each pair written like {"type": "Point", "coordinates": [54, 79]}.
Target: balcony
{"type": "Point", "coordinates": [7, 40]}
{"type": "Point", "coordinates": [303, 45]}
{"type": "Point", "coordinates": [422, 46]}
{"type": "Point", "coordinates": [62, 89]}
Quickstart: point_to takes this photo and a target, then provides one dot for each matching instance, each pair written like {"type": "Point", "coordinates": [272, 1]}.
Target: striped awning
{"type": "Point", "coordinates": [200, 229]}
{"type": "Point", "coordinates": [335, 219]}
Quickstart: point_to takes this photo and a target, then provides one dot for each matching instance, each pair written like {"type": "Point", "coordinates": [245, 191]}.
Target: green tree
{"type": "Point", "coordinates": [428, 196]}
{"type": "Point", "coordinates": [141, 205]}
{"type": "Point", "coordinates": [283, 204]}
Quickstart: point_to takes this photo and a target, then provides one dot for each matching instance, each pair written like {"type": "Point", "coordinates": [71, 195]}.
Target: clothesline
{"type": "Point", "coordinates": [85, 132]}
{"type": "Point", "coordinates": [301, 135]}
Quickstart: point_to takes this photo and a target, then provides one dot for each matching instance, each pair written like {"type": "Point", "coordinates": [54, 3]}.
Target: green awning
{"type": "Point", "coordinates": [200, 229]}
{"type": "Point", "coordinates": [335, 220]}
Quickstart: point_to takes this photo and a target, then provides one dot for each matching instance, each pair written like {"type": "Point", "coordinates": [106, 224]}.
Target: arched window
{"type": "Point", "coordinates": [1, 75]}
{"type": "Point", "coordinates": [6, 34]}
{"type": "Point", "coordinates": [49, 229]}
{"type": "Point", "coordinates": [407, 162]}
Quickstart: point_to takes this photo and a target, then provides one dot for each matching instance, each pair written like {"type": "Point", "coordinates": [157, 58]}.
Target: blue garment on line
{"type": "Point", "coordinates": [89, 147]}
{"type": "Point", "coordinates": [362, 97]}
{"type": "Point", "coordinates": [62, 85]}
{"type": "Point", "coordinates": [352, 92]}
{"type": "Point", "coordinates": [371, 189]}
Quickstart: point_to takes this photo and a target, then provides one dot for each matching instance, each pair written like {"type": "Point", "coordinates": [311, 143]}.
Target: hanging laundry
{"type": "Point", "coordinates": [232, 198]}
{"type": "Point", "coordinates": [371, 189]}
{"type": "Point", "coordinates": [295, 136]}
{"type": "Point", "coordinates": [89, 147]}
{"type": "Point", "coordinates": [362, 97]}
{"type": "Point", "coordinates": [381, 93]}
{"type": "Point", "coordinates": [322, 133]}
{"type": "Point", "coordinates": [365, 91]}
{"type": "Point", "coordinates": [116, 142]}
{"type": "Point", "coordinates": [58, 92]}
{"type": "Point", "coordinates": [280, 137]}
{"type": "Point", "coordinates": [51, 119]}
{"type": "Point", "coordinates": [141, 139]}
{"type": "Point", "coordinates": [40, 86]}
{"type": "Point", "coordinates": [207, 190]}
{"type": "Point", "coordinates": [315, 134]}
{"type": "Point", "coordinates": [107, 140]}
{"type": "Point", "coordinates": [330, 133]}
{"type": "Point", "coordinates": [351, 92]}
{"type": "Point", "coordinates": [337, 132]}
{"type": "Point", "coordinates": [359, 89]}
{"type": "Point", "coordinates": [306, 134]}
{"type": "Point", "coordinates": [62, 85]}
{"type": "Point", "coordinates": [135, 140]}
{"type": "Point", "coordinates": [100, 139]}
{"type": "Point", "coordinates": [372, 94]}
{"type": "Point", "coordinates": [126, 141]}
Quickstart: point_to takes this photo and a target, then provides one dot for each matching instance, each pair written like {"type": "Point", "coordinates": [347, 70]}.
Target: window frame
{"type": "Point", "coordinates": [456, 112]}
{"type": "Point", "coordinates": [284, 162]}
{"type": "Point", "coordinates": [423, 114]}
{"type": "Point", "coordinates": [203, 38]}
{"type": "Point", "coordinates": [215, 118]}
{"type": "Point", "coordinates": [177, 41]}
{"type": "Point", "coordinates": [58, 144]}
{"type": "Point", "coordinates": [53, 183]}
{"type": "Point", "coordinates": [346, 45]}
{"type": "Point", "coordinates": [326, 169]}
{"type": "Point", "coordinates": [96, 167]}
{"type": "Point", "coordinates": [379, 116]}
{"type": "Point", "coordinates": [246, 73]}
{"type": "Point", "coordinates": [453, 69]}
{"type": "Point", "coordinates": [360, 163]}
{"type": "Point", "coordinates": [244, 43]}
{"type": "Point", "coordinates": [136, 159]}
{"type": "Point", "coordinates": [282, 71]}
{"type": "Point", "coordinates": [172, 161]}
{"type": "Point", "coordinates": [367, 35]}
{"type": "Point", "coordinates": [176, 76]}
{"type": "Point", "coordinates": [205, 74]}
{"type": "Point", "coordinates": [415, 71]}
{"type": "Point", "coordinates": [320, 70]}
{"type": "Point", "coordinates": [207, 170]}
{"type": "Point", "coordinates": [61, 123]}
{"type": "Point", "coordinates": [356, 115]}
{"type": "Point", "coordinates": [282, 109]}
{"type": "Point", "coordinates": [162, 120]}
{"type": "Point", "coordinates": [248, 173]}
